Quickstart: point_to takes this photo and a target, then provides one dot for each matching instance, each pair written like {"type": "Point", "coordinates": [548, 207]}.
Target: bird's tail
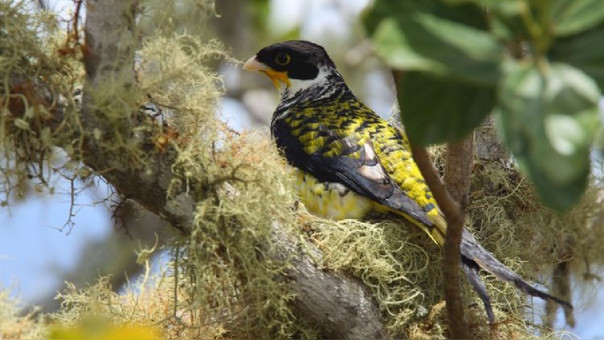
{"type": "Point", "coordinates": [474, 257]}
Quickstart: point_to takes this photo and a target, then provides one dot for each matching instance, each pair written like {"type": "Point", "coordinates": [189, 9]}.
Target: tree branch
{"type": "Point", "coordinates": [458, 168]}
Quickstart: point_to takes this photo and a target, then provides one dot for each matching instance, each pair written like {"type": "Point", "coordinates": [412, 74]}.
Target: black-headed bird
{"type": "Point", "coordinates": [351, 162]}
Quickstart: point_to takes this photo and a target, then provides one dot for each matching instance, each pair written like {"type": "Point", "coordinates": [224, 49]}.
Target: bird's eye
{"type": "Point", "coordinates": [282, 58]}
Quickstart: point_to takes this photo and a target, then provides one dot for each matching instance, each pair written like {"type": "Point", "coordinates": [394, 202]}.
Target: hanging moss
{"type": "Point", "coordinates": [30, 45]}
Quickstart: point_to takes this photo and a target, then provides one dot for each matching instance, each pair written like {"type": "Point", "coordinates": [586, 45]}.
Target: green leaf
{"type": "Point", "coordinates": [584, 51]}
{"type": "Point", "coordinates": [436, 110]}
{"type": "Point", "coordinates": [451, 42]}
{"type": "Point", "coordinates": [571, 17]}
{"type": "Point", "coordinates": [506, 20]}
{"type": "Point", "coordinates": [548, 120]}
{"type": "Point", "coordinates": [504, 17]}
{"type": "Point", "coordinates": [451, 64]}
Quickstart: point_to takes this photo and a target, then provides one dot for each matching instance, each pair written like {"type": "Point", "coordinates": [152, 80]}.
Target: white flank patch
{"type": "Point", "coordinates": [372, 172]}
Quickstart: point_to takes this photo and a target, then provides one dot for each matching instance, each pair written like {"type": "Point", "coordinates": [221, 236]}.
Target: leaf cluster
{"type": "Point", "coordinates": [535, 63]}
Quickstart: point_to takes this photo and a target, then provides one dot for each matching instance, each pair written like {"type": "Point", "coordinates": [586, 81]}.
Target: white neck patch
{"type": "Point", "coordinates": [297, 85]}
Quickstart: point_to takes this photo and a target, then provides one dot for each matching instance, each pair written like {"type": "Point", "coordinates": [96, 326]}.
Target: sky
{"type": "Point", "coordinates": [33, 252]}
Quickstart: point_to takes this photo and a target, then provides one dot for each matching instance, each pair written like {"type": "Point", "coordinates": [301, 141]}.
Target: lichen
{"type": "Point", "coordinates": [30, 45]}
{"type": "Point", "coordinates": [14, 323]}
{"type": "Point", "coordinates": [242, 188]}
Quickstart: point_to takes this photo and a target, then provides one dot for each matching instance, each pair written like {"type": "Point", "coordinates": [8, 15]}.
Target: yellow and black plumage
{"type": "Point", "coordinates": [350, 161]}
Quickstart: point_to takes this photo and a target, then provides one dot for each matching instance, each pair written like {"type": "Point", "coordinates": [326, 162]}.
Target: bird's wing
{"type": "Point", "coordinates": [341, 147]}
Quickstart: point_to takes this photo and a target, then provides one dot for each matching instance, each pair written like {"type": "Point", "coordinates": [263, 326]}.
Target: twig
{"type": "Point", "coordinates": [458, 168]}
{"type": "Point", "coordinates": [457, 173]}
{"type": "Point", "coordinates": [451, 255]}
{"type": "Point", "coordinates": [69, 224]}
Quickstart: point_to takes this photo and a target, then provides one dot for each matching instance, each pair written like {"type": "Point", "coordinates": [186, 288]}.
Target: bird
{"type": "Point", "coordinates": [349, 162]}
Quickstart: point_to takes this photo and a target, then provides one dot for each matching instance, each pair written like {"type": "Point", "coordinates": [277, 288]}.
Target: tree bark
{"type": "Point", "coordinates": [458, 168]}
{"type": "Point", "coordinates": [487, 145]}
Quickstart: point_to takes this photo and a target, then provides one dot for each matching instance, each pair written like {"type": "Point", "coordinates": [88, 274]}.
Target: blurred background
{"type": "Point", "coordinates": [49, 239]}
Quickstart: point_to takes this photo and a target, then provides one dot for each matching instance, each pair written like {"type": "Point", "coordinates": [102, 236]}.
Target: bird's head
{"type": "Point", "coordinates": [293, 65]}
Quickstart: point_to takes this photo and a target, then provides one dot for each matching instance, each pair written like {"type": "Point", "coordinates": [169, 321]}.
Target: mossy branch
{"type": "Point", "coordinates": [340, 305]}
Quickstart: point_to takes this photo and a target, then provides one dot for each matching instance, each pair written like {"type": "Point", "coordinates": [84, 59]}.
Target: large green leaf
{"type": "Point", "coordinates": [571, 17]}
{"type": "Point", "coordinates": [505, 17]}
{"type": "Point", "coordinates": [428, 36]}
{"type": "Point", "coordinates": [548, 119]}
{"type": "Point", "coordinates": [584, 51]}
{"type": "Point", "coordinates": [436, 110]}
{"type": "Point", "coordinates": [467, 13]}
{"type": "Point", "coordinates": [451, 63]}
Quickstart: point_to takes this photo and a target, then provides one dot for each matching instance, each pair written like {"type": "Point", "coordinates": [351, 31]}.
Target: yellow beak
{"type": "Point", "coordinates": [277, 77]}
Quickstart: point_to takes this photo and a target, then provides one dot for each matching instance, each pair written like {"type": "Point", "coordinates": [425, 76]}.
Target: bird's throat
{"type": "Point", "coordinates": [279, 78]}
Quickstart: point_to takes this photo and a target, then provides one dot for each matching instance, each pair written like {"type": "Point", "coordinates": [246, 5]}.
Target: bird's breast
{"type": "Point", "coordinates": [330, 200]}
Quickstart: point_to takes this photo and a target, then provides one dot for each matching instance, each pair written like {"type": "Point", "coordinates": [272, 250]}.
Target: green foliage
{"type": "Point", "coordinates": [260, 10]}
{"type": "Point", "coordinates": [422, 42]}
{"type": "Point", "coordinates": [572, 17]}
{"type": "Point", "coordinates": [455, 59]}
{"type": "Point", "coordinates": [537, 63]}
{"type": "Point", "coordinates": [548, 122]}
{"type": "Point", "coordinates": [583, 51]}
{"type": "Point", "coordinates": [459, 108]}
